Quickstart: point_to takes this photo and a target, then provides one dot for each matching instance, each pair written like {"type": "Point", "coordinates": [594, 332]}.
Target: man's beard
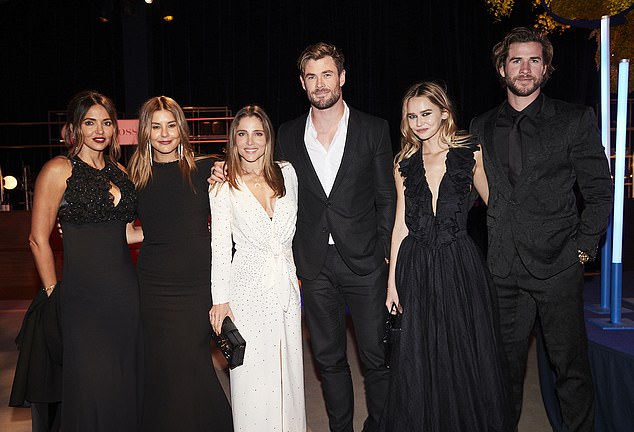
{"type": "Point", "coordinates": [523, 90]}
{"type": "Point", "coordinates": [320, 103]}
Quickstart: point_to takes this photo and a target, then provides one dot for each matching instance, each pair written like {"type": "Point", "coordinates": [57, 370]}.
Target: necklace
{"type": "Point", "coordinates": [253, 172]}
{"type": "Point", "coordinates": [256, 176]}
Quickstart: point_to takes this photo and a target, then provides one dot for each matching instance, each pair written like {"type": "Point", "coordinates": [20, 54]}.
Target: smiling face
{"type": "Point", "coordinates": [164, 136]}
{"type": "Point", "coordinates": [97, 129]}
{"type": "Point", "coordinates": [524, 69]}
{"type": "Point", "coordinates": [251, 139]}
{"type": "Point", "coordinates": [322, 82]}
{"type": "Point", "coordinates": [424, 118]}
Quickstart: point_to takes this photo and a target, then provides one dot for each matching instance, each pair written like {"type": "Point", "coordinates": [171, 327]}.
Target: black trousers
{"type": "Point", "coordinates": [325, 301]}
{"type": "Point", "coordinates": [558, 302]}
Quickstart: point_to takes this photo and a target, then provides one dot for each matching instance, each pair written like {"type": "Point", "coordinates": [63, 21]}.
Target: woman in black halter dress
{"type": "Point", "coordinates": [98, 293]}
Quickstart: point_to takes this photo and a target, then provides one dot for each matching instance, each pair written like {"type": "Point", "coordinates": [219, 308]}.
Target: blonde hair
{"type": "Point", "coordinates": [271, 171]}
{"type": "Point", "coordinates": [76, 113]}
{"type": "Point", "coordinates": [448, 132]}
{"type": "Point", "coordinates": [140, 165]}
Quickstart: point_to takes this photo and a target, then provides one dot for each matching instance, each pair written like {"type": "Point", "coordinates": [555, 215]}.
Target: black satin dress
{"type": "Point", "coordinates": [99, 304]}
{"type": "Point", "coordinates": [182, 391]}
{"type": "Point", "coordinates": [446, 369]}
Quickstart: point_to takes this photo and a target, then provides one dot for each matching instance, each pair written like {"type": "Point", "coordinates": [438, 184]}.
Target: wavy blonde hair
{"type": "Point", "coordinates": [76, 112]}
{"type": "Point", "coordinates": [140, 165]}
{"type": "Point", "coordinates": [272, 172]}
{"type": "Point", "coordinates": [448, 133]}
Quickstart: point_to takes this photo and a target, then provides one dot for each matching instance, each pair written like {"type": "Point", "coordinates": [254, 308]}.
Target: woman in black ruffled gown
{"type": "Point", "coordinates": [182, 391]}
{"type": "Point", "coordinates": [99, 295]}
{"type": "Point", "coordinates": [446, 367]}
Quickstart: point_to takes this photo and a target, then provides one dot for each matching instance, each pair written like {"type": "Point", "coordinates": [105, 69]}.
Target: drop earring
{"type": "Point", "coordinates": [180, 151]}
{"type": "Point", "coordinates": [149, 153]}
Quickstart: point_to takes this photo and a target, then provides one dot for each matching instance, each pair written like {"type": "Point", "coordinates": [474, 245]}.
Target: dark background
{"type": "Point", "coordinates": [232, 53]}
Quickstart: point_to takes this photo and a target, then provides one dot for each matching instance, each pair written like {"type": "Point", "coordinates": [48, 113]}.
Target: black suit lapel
{"type": "Point", "coordinates": [303, 159]}
{"type": "Point", "coordinates": [352, 139]}
{"type": "Point", "coordinates": [490, 149]}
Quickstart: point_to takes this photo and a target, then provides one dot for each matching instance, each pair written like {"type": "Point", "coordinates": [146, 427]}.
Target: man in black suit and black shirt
{"type": "Point", "coordinates": [535, 150]}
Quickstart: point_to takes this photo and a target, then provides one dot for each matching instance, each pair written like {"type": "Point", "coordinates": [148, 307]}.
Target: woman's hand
{"type": "Point", "coordinates": [133, 233]}
{"type": "Point", "coordinates": [217, 315]}
{"type": "Point", "coordinates": [392, 299]}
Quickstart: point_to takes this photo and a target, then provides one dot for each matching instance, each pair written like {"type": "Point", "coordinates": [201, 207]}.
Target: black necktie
{"type": "Point", "coordinates": [515, 149]}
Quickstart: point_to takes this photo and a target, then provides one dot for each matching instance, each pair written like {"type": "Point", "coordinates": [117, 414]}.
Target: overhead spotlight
{"type": "Point", "coordinates": [105, 8]}
{"type": "Point", "coordinates": [149, 1]}
{"type": "Point", "coordinates": [167, 10]}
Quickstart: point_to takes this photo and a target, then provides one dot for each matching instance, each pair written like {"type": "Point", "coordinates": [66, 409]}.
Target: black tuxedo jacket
{"type": "Point", "coordinates": [359, 212]}
{"type": "Point", "coordinates": [538, 218]}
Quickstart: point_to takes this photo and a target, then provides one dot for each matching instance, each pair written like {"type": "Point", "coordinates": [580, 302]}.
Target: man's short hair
{"type": "Point", "coordinates": [318, 51]}
{"type": "Point", "coordinates": [500, 51]}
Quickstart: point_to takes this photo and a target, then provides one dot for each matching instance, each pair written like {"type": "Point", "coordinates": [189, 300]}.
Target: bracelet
{"type": "Point", "coordinates": [49, 288]}
{"type": "Point", "coordinates": [583, 256]}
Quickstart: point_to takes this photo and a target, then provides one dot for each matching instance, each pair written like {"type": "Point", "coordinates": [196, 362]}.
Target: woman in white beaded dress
{"type": "Point", "coordinates": [257, 208]}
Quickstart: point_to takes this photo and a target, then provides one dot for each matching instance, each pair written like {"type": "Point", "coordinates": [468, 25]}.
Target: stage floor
{"type": "Point", "coordinates": [19, 419]}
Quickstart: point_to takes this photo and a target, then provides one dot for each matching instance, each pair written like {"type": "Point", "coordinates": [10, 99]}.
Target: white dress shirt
{"type": "Point", "coordinates": [327, 162]}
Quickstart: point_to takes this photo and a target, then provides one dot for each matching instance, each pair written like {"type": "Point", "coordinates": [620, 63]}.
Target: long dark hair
{"type": "Point", "coordinates": [76, 112]}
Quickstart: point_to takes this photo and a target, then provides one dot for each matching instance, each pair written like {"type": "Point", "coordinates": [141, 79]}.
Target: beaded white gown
{"type": "Point", "coordinates": [260, 284]}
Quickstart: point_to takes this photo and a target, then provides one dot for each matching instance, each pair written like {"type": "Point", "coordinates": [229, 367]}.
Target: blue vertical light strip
{"type": "Point", "coordinates": [619, 186]}
{"type": "Point", "coordinates": [606, 251]}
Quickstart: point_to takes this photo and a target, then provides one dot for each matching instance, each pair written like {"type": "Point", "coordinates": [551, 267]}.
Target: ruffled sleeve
{"type": "Point", "coordinates": [418, 212]}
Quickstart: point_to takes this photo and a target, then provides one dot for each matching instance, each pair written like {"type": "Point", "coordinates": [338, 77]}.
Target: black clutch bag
{"type": "Point", "coordinates": [392, 333]}
{"type": "Point", "coordinates": [231, 343]}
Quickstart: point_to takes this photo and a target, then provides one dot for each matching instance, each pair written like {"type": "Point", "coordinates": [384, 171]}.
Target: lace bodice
{"type": "Point", "coordinates": [87, 198]}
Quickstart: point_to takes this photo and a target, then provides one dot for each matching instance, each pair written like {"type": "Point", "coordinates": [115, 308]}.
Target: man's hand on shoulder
{"type": "Point", "coordinates": [218, 173]}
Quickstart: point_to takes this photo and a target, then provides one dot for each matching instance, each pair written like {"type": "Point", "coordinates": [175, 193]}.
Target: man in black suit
{"type": "Point", "coordinates": [535, 150]}
{"type": "Point", "coordinates": [343, 160]}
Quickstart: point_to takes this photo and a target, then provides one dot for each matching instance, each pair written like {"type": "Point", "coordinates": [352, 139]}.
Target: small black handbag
{"type": "Point", "coordinates": [231, 343]}
{"type": "Point", "coordinates": [392, 333]}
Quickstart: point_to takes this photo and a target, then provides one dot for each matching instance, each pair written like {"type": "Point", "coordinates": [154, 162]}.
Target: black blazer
{"type": "Point", "coordinates": [359, 213]}
{"type": "Point", "coordinates": [539, 217]}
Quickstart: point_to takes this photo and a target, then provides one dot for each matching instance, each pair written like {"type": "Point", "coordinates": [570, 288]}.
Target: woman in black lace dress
{"type": "Point", "coordinates": [95, 202]}
{"type": "Point", "coordinates": [446, 370]}
{"type": "Point", "coordinates": [182, 392]}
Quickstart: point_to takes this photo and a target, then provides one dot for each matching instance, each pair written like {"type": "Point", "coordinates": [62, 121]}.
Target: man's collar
{"type": "Point", "coordinates": [531, 111]}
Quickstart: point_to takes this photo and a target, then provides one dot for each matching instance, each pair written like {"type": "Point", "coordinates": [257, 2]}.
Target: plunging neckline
{"type": "Point", "coordinates": [274, 204]}
{"type": "Point", "coordinates": [433, 202]}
